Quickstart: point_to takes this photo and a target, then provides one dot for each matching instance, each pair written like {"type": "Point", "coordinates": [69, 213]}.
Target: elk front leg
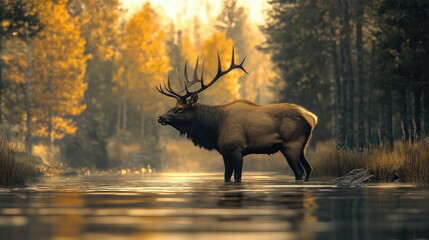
{"type": "Point", "coordinates": [229, 168]}
{"type": "Point", "coordinates": [237, 158]}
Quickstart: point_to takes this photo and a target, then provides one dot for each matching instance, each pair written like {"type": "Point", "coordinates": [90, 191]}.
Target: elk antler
{"type": "Point", "coordinates": [188, 83]}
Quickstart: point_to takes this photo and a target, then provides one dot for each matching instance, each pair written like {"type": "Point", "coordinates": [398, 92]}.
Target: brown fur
{"type": "Point", "coordinates": [241, 128]}
{"type": "Point", "coordinates": [252, 127]}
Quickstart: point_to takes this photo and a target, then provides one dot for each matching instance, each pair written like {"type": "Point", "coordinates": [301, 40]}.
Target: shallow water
{"type": "Point", "coordinates": [200, 206]}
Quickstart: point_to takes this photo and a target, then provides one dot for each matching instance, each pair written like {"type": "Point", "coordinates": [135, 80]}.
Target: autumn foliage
{"type": "Point", "coordinates": [79, 76]}
{"type": "Point", "coordinates": [59, 69]}
{"type": "Point", "coordinates": [143, 61]}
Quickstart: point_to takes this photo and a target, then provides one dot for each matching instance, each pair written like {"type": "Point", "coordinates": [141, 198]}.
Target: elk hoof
{"type": "Point", "coordinates": [227, 180]}
{"type": "Point", "coordinates": [237, 180]}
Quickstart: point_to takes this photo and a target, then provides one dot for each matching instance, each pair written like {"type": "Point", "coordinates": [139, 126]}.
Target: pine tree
{"type": "Point", "coordinates": [401, 57]}
{"type": "Point", "coordinates": [361, 74]}
{"type": "Point", "coordinates": [298, 39]}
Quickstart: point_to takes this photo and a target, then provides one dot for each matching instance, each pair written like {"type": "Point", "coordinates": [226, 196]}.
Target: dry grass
{"type": "Point", "coordinates": [16, 166]}
{"type": "Point", "coordinates": [409, 162]}
{"type": "Point", "coordinates": [415, 159]}
{"type": "Point", "coordinates": [327, 161]}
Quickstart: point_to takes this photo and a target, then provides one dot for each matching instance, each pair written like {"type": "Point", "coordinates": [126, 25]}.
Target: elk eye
{"type": "Point", "coordinates": [178, 110]}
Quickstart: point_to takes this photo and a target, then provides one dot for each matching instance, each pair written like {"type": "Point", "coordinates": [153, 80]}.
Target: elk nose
{"type": "Point", "coordinates": [162, 120]}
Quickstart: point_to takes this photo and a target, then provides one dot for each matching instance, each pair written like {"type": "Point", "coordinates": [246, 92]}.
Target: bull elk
{"type": "Point", "coordinates": [240, 128]}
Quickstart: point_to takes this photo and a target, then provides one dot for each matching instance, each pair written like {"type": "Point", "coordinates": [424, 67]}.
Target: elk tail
{"type": "Point", "coordinates": [309, 117]}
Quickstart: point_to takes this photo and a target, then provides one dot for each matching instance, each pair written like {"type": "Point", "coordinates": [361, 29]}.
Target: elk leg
{"type": "Point", "coordinates": [238, 165]}
{"type": "Point", "coordinates": [306, 165]}
{"type": "Point", "coordinates": [229, 168]}
{"type": "Point", "coordinates": [292, 156]}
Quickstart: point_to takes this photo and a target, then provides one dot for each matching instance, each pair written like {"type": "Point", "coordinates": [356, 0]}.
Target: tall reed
{"type": "Point", "coordinates": [407, 161]}
{"type": "Point", "coordinates": [17, 167]}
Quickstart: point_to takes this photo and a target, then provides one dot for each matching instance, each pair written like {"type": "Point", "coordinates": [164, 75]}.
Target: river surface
{"type": "Point", "coordinates": [201, 206]}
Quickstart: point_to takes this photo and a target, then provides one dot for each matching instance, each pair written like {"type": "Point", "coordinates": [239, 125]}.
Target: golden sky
{"type": "Point", "coordinates": [184, 10]}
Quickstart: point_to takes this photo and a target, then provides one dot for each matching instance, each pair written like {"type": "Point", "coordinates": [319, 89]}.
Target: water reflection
{"type": "Point", "coordinates": [201, 206]}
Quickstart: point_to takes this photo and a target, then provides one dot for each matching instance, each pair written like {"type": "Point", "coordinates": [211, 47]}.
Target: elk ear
{"type": "Point", "coordinates": [192, 99]}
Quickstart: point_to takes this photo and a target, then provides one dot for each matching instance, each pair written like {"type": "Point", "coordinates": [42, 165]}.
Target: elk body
{"type": "Point", "coordinates": [241, 127]}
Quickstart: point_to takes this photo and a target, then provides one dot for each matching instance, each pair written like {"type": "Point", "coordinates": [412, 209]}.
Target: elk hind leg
{"type": "Point", "coordinates": [306, 165]}
{"type": "Point", "coordinates": [292, 156]}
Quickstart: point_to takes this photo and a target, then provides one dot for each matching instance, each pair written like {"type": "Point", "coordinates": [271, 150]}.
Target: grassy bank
{"type": "Point", "coordinates": [409, 162]}
{"type": "Point", "coordinates": [16, 166]}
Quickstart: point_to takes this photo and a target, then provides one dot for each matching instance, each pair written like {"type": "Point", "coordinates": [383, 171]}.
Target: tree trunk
{"type": "Point", "coordinates": [386, 127]}
{"type": "Point", "coordinates": [338, 114]}
{"type": "Point", "coordinates": [410, 116]}
{"type": "Point", "coordinates": [29, 95]}
{"type": "Point", "coordinates": [118, 119]}
{"type": "Point", "coordinates": [371, 109]}
{"type": "Point", "coordinates": [426, 112]}
{"type": "Point", "coordinates": [348, 77]}
{"type": "Point", "coordinates": [340, 106]}
{"type": "Point", "coordinates": [337, 96]}
{"type": "Point", "coordinates": [143, 133]}
{"type": "Point", "coordinates": [50, 89]}
{"type": "Point", "coordinates": [50, 135]}
{"type": "Point", "coordinates": [382, 124]}
{"type": "Point", "coordinates": [388, 119]}
{"type": "Point", "coordinates": [343, 104]}
{"type": "Point", "coordinates": [417, 114]}
{"type": "Point", "coordinates": [403, 115]}
{"type": "Point", "coordinates": [124, 115]}
{"type": "Point", "coordinates": [369, 121]}
{"type": "Point", "coordinates": [361, 75]}
{"type": "Point", "coordinates": [1, 80]}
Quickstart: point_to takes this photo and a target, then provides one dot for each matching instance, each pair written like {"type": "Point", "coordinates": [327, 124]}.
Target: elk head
{"type": "Point", "coordinates": [183, 111]}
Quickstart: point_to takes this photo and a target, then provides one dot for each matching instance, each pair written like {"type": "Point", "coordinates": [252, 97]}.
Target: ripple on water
{"type": "Point", "coordinates": [201, 206]}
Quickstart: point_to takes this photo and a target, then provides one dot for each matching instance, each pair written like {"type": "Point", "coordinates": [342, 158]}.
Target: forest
{"type": "Point", "coordinates": [78, 77]}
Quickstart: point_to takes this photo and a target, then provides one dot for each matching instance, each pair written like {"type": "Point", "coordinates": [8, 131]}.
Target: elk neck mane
{"type": "Point", "coordinates": [203, 131]}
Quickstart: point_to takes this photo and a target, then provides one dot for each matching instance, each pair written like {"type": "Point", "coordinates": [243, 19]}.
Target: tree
{"type": "Point", "coordinates": [336, 82]}
{"type": "Point", "coordinates": [59, 68]}
{"type": "Point", "coordinates": [303, 34]}
{"type": "Point", "coordinates": [27, 34]}
{"type": "Point", "coordinates": [15, 65]}
{"type": "Point", "coordinates": [361, 74]}
{"type": "Point", "coordinates": [142, 65]}
{"type": "Point", "coordinates": [99, 22]}
{"type": "Point", "coordinates": [401, 54]}
{"type": "Point", "coordinates": [298, 39]}
{"type": "Point", "coordinates": [20, 18]}
{"type": "Point", "coordinates": [347, 75]}
{"type": "Point", "coordinates": [233, 21]}
{"type": "Point", "coordinates": [16, 17]}
{"type": "Point", "coordinates": [144, 60]}
{"type": "Point", "coordinates": [227, 89]}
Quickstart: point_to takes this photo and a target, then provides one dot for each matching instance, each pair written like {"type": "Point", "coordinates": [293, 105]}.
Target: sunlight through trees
{"type": "Point", "coordinates": [78, 77]}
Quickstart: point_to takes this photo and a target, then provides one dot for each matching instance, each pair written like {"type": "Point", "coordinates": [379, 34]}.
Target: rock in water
{"type": "Point", "coordinates": [356, 176]}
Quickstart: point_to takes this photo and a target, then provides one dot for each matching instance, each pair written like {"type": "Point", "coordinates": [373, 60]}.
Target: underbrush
{"type": "Point", "coordinates": [16, 166]}
{"type": "Point", "coordinates": [408, 162]}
